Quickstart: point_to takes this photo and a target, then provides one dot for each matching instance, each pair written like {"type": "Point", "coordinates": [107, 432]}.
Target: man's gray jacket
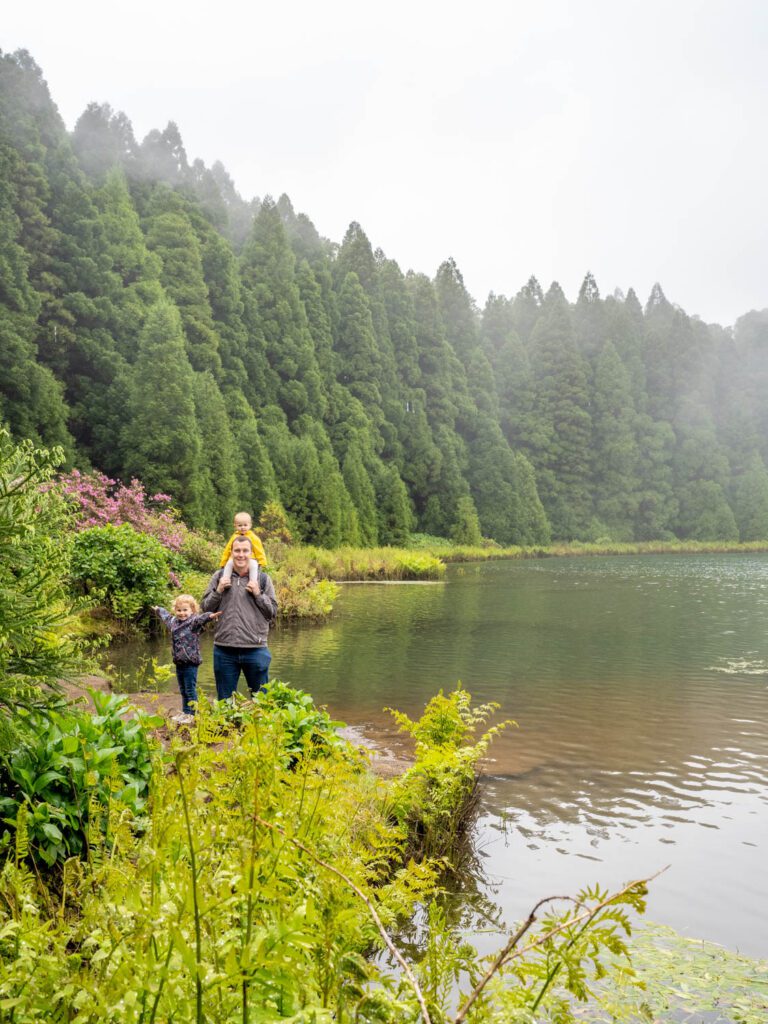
{"type": "Point", "coordinates": [246, 618]}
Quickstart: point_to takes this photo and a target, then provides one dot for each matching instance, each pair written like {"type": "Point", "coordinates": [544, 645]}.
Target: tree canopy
{"type": "Point", "coordinates": [153, 323]}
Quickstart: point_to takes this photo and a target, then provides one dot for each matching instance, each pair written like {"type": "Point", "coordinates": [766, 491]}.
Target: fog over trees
{"type": "Point", "coordinates": [158, 325]}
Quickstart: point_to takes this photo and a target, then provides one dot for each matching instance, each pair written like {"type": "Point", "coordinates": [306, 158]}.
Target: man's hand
{"type": "Point", "coordinates": [253, 586]}
{"type": "Point", "coordinates": [223, 585]}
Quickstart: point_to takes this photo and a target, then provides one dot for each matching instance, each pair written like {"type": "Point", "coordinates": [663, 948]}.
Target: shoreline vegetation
{"type": "Point", "coordinates": [130, 911]}
{"type": "Point", "coordinates": [254, 869]}
{"type": "Point", "coordinates": [307, 578]}
{"type": "Point", "coordinates": [428, 556]}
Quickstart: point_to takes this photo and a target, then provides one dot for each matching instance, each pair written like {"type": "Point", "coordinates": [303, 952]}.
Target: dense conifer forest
{"type": "Point", "coordinates": [155, 324]}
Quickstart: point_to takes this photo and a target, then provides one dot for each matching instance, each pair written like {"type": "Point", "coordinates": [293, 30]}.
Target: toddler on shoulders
{"type": "Point", "coordinates": [244, 528]}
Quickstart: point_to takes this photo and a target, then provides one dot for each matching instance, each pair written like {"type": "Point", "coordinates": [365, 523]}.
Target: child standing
{"type": "Point", "coordinates": [244, 528]}
{"type": "Point", "coordinates": [185, 624]}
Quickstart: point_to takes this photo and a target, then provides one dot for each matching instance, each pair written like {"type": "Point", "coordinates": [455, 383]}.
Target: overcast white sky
{"type": "Point", "coordinates": [625, 137]}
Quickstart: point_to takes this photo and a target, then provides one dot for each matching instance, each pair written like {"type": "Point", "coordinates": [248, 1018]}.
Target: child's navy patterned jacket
{"type": "Point", "coordinates": [185, 639]}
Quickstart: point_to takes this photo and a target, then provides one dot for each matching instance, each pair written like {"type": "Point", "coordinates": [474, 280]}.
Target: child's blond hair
{"type": "Point", "coordinates": [186, 599]}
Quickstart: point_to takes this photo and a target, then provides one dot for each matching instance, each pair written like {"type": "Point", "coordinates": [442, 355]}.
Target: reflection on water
{"type": "Point", "coordinates": [639, 688]}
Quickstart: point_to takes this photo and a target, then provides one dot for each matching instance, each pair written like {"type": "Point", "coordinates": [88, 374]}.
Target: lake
{"type": "Point", "coordinates": [639, 685]}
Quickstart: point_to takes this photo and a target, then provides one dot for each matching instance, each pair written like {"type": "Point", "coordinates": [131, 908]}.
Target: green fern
{"type": "Point", "coordinates": [22, 833]}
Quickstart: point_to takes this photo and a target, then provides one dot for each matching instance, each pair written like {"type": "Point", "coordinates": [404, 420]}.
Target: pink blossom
{"type": "Point", "coordinates": [98, 499]}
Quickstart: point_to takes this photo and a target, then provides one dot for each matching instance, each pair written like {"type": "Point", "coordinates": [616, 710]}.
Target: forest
{"type": "Point", "coordinates": [156, 325]}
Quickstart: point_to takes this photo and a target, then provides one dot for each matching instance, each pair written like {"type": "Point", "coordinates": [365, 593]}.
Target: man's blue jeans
{"type": "Point", "coordinates": [229, 662]}
{"type": "Point", "coordinates": [186, 676]}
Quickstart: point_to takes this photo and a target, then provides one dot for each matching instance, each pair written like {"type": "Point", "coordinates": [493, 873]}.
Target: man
{"type": "Point", "coordinates": [240, 636]}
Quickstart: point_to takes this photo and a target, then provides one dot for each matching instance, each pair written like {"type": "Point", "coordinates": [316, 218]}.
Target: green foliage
{"type": "Point", "coordinates": [249, 874]}
{"type": "Point", "coordinates": [72, 775]}
{"type": "Point", "coordinates": [303, 724]}
{"type": "Point", "coordinates": [750, 500]}
{"type": "Point", "coordinates": [248, 895]}
{"type": "Point", "coordinates": [122, 569]}
{"type": "Point", "coordinates": [36, 643]}
{"type": "Point", "coordinates": [466, 529]}
{"type": "Point", "coordinates": [202, 551]}
{"type": "Point", "coordinates": [155, 328]}
{"type": "Point", "coordinates": [705, 513]}
{"type": "Point", "coordinates": [435, 795]}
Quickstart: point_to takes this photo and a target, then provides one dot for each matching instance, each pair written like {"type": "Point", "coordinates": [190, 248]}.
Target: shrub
{"type": "Point", "coordinates": [263, 892]}
{"type": "Point", "coordinates": [302, 722]}
{"type": "Point", "coordinates": [69, 770]}
{"type": "Point", "coordinates": [36, 645]}
{"type": "Point", "coordinates": [302, 596]}
{"type": "Point", "coordinates": [201, 551]}
{"type": "Point", "coordinates": [436, 794]}
{"type": "Point", "coordinates": [120, 568]}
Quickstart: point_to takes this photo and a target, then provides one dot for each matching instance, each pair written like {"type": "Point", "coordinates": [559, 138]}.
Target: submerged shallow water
{"type": "Point", "coordinates": [639, 686]}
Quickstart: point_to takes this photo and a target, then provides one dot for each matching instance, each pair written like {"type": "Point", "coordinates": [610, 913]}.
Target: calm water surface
{"type": "Point", "coordinates": [639, 686]}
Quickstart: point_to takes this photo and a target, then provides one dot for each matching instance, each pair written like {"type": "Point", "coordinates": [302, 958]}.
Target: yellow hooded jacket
{"type": "Point", "coordinates": [258, 548]}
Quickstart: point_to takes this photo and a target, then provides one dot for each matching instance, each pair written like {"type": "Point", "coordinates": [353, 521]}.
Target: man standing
{"type": "Point", "coordinates": [240, 636]}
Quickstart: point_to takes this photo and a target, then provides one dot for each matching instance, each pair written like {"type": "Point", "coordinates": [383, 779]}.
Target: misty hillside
{"type": "Point", "coordinates": [157, 325]}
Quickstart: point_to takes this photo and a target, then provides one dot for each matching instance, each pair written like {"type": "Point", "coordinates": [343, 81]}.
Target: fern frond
{"type": "Point", "coordinates": [22, 833]}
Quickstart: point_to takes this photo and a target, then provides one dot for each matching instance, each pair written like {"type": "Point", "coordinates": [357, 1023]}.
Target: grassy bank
{"type": "Point", "coordinates": [448, 552]}
{"type": "Point", "coordinates": [347, 564]}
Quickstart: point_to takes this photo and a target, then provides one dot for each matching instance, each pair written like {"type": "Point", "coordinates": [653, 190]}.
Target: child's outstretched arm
{"type": "Point", "coordinates": [163, 614]}
{"type": "Point", "coordinates": [199, 622]}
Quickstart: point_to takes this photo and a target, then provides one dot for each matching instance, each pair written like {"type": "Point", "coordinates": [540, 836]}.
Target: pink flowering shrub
{"type": "Point", "coordinates": [99, 501]}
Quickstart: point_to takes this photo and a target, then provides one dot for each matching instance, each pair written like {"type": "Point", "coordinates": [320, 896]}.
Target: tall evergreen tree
{"type": "Point", "coordinates": [394, 511]}
{"type": "Point", "coordinates": [161, 439]}
{"type": "Point", "coordinates": [31, 400]}
{"type": "Point", "coordinates": [560, 449]}
{"type": "Point", "coordinates": [170, 234]}
{"type": "Point", "coordinates": [363, 495]}
{"type": "Point", "coordinates": [268, 273]}
{"type": "Point", "coordinates": [457, 310]}
{"type": "Point", "coordinates": [103, 141]}
{"type": "Point", "coordinates": [357, 353]}
{"type": "Point", "coordinates": [614, 446]}
{"type": "Point", "coordinates": [749, 500]}
{"type": "Point", "coordinates": [218, 460]}
{"type": "Point", "coordinates": [254, 472]}
{"type": "Point", "coordinates": [705, 513]}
